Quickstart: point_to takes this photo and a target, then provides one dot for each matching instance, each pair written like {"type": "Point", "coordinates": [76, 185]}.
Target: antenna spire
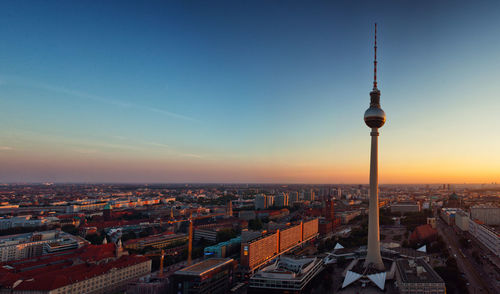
{"type": "Point", "coordinates": [375, 61]}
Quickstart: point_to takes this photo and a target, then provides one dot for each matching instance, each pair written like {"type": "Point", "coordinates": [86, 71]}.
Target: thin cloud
{"type": "Point", "coordinates": [105, 100]}
{"type": "Point", "coordinates": [6, 148]}
{"type": "Point", "coordinates": [86, 151]}
{"type": "Point", "coordinates": [191, 155]}
{"type": "Point", "coordinates": [156, 144]}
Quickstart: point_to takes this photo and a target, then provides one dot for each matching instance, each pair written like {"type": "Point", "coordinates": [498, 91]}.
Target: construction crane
{"type": "Point", "coordinates": [191, 219]}
{"type": "Point", "coordinates": [162, 258]}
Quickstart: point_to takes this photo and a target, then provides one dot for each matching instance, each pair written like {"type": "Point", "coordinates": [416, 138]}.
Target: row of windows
{"type": "Point", "coordinates": [105, 280]}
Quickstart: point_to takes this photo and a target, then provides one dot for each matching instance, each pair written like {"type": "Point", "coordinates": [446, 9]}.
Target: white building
{"type": "Point", "coordinates": [26, 221]}
{"type": "Point", "coordinates": [486, 235]}
{"type": "Point", "coordinates": [287, 274]}
{"type": "Point", "coordinates": [462, 220]}
{"type": "Point", "coordinates": [489, 215]}
{"type": "Point", "coordinates": [29, 245]}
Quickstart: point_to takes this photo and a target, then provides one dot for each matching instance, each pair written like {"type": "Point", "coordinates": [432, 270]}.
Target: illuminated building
{"type": "Point", "coordinates": [258, 251]}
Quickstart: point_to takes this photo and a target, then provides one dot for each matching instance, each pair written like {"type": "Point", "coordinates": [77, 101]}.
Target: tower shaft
{"type": "Point", "coordinates": [373, 254]}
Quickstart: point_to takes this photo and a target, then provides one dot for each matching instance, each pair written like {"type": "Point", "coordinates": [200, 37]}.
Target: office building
{"type": "Point", "coordinates": [489, 215]}
{"type": "Point", "coordinates": [214, 275]}
{"type": "Point", "coordinates": [308, 195]}
{"type": "Point", "coordinates": [486, 235]}
{"type": "Point", "coordinates": [21, 246]}
{"type": "Point", "coordinates": [414, 276]}
{"type": "Point", "coordinates": [287, 274]}
{"type": "Point", "coordinates": [293, 196]}
{"type": "Point", "coordinates": [281, 200]}
{"type": "Point", "coordinates": [258, 251]}
{"type": "Point", "coordinates": [405, 207]}
{"type": "Point", "coordinates": [462, 220]}
{"type": "Point", "coordinates": [260, 201]}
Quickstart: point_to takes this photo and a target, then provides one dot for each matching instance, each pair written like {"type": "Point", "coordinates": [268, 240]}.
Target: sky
{"type": "Point", "coordinates": [248, 91]}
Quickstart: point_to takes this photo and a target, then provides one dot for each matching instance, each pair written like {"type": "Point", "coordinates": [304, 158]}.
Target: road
{"type": "Point", "coordinates": [477, 282]}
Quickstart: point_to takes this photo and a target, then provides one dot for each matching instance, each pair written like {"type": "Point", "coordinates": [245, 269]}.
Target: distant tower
{"type": "Point", "coordinates": [375, 119]}
{"type": "Point", "coordinates": [328, 209]}
{"type": "Point", "coordinates": [229, 208]}
{"type": "Point", "coordinates": [119, 248]}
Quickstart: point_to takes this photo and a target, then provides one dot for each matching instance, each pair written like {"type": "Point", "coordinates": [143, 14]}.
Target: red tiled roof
{"type": "Point", "coordinates": [423, 232]}
{"type": "Point", "coordinates": [56, 270]}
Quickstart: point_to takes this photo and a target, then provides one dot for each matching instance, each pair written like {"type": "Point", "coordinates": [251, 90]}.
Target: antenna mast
{"type": "Point", "coordinates": [375, 61]}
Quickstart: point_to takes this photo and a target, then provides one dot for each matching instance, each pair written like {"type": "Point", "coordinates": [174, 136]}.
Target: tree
{"type": "Point", "coordinates": [70, 229]}
{"type": "Point", "coordinates": [95, 239]}
{"type": "Point", "coordinates": [453, 280]}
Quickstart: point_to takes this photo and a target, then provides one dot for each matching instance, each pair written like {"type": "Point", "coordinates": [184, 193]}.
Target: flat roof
{"type": "Point", "coordinates": [204, 266]}
{"type": "Point", "coordinates": [410, 274]}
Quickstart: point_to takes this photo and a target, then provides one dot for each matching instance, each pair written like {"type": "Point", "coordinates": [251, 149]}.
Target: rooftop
{"type": "Point", "coordinates": [56, 270]}
{"type": "Point", "coordinates": [417, 271]}
{"type": "Point", "coordinates": [204, 266]}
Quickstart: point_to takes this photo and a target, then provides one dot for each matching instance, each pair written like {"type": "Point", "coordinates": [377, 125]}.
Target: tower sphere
{"type": "Point", "coordinates": [374, 117]}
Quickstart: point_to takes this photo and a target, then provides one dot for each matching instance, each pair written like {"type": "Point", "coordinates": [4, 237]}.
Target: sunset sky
{"type": "Point", "coordinates": [248, 91]}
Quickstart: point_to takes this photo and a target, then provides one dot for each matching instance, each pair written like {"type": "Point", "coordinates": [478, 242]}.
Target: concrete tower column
{"type": "Point", "coordinates": [373, 255]}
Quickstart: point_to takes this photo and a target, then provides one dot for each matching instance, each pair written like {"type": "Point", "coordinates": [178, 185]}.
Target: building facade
{"type": "Point", "coordinates": [488, 236]}
{"type": "Point", "coordinates": [92, 269]}
{"type": "Point", "coordinates": [256, 252]}
{"type": "Point", "coordinates": [415, 276]}
{"type": "Point", "coordinates": [21, 246]}
{"type": "Point", "coordinates": [489, 215]}
{"type": "Point", "coordinates": [287, 274]}
{"type": "Point", "coordinates": [214, 275]}
{"type": "Point", "coordinates": [405, 207]}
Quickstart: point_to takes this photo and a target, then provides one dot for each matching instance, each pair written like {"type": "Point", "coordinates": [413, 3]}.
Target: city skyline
{"type": "Point", "coordinates": [266, 93]}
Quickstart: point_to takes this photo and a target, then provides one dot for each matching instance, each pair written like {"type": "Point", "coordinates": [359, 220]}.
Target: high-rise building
{"type": "Point", "coordinates": [229, 208]}
{"type": "Point", "coordinates": [328, 210]}
{"type": "Point", "coordinates": [270, 201]}
{"type": "Point", "coordinates": [260, 201]}
{"type": "Point", "coordinates": [293, 196]}
{"type": "Point", "coordinates": [374, 119]}
{"type": "Point", "coordinates": [308, 195]}
{"type": "Point", "coordinates": [281, 200]}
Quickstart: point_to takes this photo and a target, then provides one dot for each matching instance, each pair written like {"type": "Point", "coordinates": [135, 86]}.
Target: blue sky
{"type": "Point", "coordinates": [247, 91]}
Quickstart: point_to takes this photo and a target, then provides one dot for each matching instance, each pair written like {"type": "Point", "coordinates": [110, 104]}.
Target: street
{"type": "Point", "coordinates": [478, 283]}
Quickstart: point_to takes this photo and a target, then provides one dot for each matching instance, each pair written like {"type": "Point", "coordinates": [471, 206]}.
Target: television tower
{"type": "Point", "coordinates": [374, 119]}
